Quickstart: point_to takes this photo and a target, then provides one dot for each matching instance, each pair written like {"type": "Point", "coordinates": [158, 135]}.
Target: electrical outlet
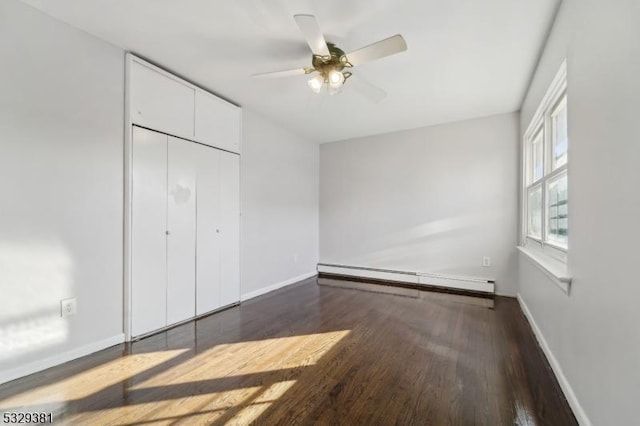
{"type": "Point", "coordinates": [67, 307]}
{"type": "Point", "coordinates": [486, 261]}
{"type": "Point", "coordinates": [295, 258]}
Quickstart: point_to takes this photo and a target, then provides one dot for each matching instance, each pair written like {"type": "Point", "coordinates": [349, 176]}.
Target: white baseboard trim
{"type": "Point", "coordinates": [577, 409]}
{"type": "Point", "coordinates": [43, 364]}
{"type": "Point", "coordinates": [482, 285]}
{"type": "Point", "coordinates": [276, 286]}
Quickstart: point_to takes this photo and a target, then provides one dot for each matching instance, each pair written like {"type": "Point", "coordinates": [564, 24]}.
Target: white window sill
{"type": "Point", "coordinates": [554, 269]}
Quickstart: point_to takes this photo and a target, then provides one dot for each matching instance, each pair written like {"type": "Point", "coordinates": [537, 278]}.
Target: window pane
{"type": "Point", "coordinates": [534, 213]}
{"type": "Point", "coordinates": [560, 139]}
{"type": "Point", "coordinates": [557, 212]}
{"type": "Point", "coordinates": [537, 165]}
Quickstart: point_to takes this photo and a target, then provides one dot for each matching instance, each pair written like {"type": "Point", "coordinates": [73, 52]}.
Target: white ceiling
{"type": "Point", "coordinates": [465, 58]}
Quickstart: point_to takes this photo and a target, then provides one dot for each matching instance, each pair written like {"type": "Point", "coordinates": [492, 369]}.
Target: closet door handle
{"type": "Point", "coordinates": [217, 231]}
{"type": "Point", "coordinates": [167, 233]}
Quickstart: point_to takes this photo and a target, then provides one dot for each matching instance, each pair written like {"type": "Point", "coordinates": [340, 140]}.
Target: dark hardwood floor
{"type": "Point", "coordinates": [312, 354]}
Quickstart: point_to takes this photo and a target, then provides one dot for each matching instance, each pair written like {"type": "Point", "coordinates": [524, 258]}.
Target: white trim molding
{"type": "Point", "coordinates": [483, 285]}
{"type": "Point", "coordinates": [578, 411]}
{"type": "Point", "coordinates": [556, 271]}
{"type": "Point", "coordinates": [557, 86]}
{"type": "Point", "coordinates": [43, 364]}
{"type": "Point", "coordinates": [540, 131]}
{"type": "Point", "coordinates": [276, 286]}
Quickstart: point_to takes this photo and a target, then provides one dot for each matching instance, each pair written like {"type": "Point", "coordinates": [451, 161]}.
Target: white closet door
{"type": "Point", "coordinates": [229, 228]}
{"type": "Point", "coordinates": [181, 227]}
{"type": "Point", "coordinates": [148, 239]}
{"type": "Point", "coordinates": [207, 233]}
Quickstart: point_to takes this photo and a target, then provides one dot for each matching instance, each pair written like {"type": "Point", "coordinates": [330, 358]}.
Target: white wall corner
{"type": "Point", "coordinates": [43, 364]}
{"type": "Point", "coordinates": [276, 286]}
{"type": "Point", "coordinates": [578, 411]}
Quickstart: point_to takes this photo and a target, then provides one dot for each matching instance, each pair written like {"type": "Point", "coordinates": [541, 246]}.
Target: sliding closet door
{"type": "Point", "coordinates": [208, 231]}
{"type": "Point", "coordinates": [181, 230]}
{"type": "Point", "coordinates": [229, 228]}
{"type": "Point", "coordinates": [148, 239]}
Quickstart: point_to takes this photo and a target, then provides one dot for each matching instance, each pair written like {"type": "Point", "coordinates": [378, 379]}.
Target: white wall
{"type": "Point", "coordinates": [435, 199]}
{"type": "Point", "coordinates": [593, 333]}
{"type": "Point", "coordinates": [61, 120]}
{"type": "Point", "coordinates": [61, 163]}
{"type": "Point", "coordinates": [279, 202]}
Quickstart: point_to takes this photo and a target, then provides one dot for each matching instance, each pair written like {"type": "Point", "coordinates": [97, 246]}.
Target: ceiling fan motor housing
{"type": "Point", "coordinates": [336, 61]}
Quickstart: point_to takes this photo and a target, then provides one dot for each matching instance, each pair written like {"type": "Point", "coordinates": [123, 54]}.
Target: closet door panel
{"type": "Point", "coordinates": [207, 231]}
{"type": "Point", "coordinates": [181, 227]}
{"type": "Point", "coordinates": [229, 228]}
{"type": "Point", "coordinates": [148, 226]}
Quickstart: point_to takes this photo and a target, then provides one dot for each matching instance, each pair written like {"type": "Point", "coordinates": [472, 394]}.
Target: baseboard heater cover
{"type": "Point", "coordinates": [472, 284]}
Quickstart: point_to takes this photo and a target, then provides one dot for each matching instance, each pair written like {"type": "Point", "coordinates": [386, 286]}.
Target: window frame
{"type": "Point", "coordinates": [542, 121]}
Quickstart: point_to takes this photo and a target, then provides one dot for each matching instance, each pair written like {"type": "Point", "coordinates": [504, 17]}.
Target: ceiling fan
{"type": "Point", "coordinates": [332, 65]}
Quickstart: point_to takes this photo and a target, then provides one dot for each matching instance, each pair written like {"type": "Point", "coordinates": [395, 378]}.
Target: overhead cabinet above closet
{"type": "Point", "coordinates": [161, 101]}
{"type": "Point", "coordinates": [183, 204]}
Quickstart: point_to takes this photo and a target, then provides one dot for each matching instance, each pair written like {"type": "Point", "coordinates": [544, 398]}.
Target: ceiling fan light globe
{"type": "Point", "coordinates": [316, 83]}
{"type": "Point", "coordinates": [336, 78]}
{"type": "Point", "coordinates": [334, 90]}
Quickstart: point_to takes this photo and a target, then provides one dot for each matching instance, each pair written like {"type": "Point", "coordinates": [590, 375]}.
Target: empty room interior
{"type": "Point", "coordinates": [319, 212]}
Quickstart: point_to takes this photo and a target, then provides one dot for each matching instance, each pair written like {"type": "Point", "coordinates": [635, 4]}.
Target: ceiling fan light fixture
{"type": "Point", "coordinates": [316, 83]}
{"type": "Point", "coordinates": [335, 78]}
{"type": "Point", "coordinates": [334, 90]}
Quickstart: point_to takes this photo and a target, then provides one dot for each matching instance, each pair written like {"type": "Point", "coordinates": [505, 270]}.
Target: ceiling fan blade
{"type": "Point", "coordinates": [278, 74]}
{"type": "Point", "coordinates": [311, 31]}
{"type": "Point", "coordinates": [388, 46]}
{"type": "Point", "coordinates": [366, 89]}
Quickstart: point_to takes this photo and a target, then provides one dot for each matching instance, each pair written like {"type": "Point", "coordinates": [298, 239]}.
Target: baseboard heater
{"type": "Point", "coordinates": [417, 279]}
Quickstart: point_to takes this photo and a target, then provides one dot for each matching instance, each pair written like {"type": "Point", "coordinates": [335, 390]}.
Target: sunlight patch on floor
{"type": "Point", "coordinates": [91, 381]}
{"type": "Point", "coordinates": [189, 407]}
{"type": "Point", "coordinates": [255, 374]}
{"type": "Point", "coordinates": [234, 382]}
{"type": "Point", "coordinates": [249, 357]}
{"type": "Point", "coordinates": [251, 412]}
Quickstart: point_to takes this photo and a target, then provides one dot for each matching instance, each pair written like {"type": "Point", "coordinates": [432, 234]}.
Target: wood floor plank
{"type": "Point", "coordinates": [312, 354]}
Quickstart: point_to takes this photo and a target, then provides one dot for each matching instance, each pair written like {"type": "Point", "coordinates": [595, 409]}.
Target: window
{"type": "Point", "coordinates": [545, 200]}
